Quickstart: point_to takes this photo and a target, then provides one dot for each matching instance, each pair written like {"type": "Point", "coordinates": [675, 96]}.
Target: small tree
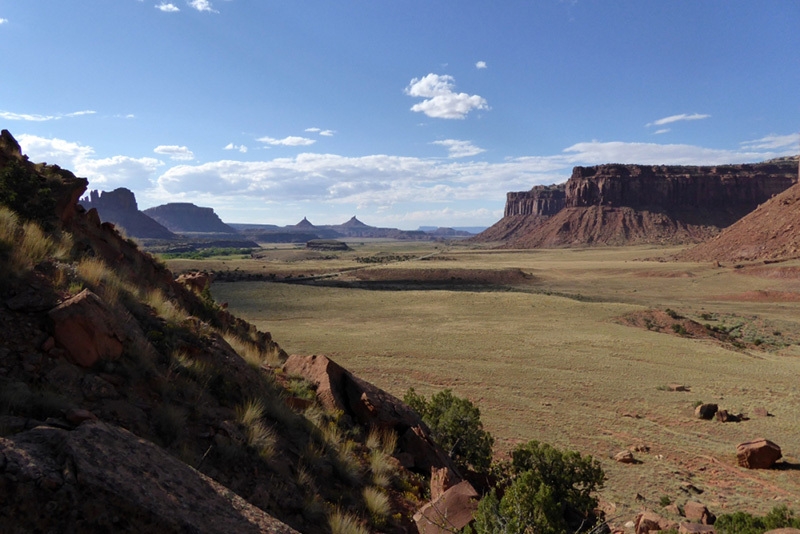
{"type": "Point", "coordinates": [547, 491]}
{"type": "Point", "coordinates": [456, 426]}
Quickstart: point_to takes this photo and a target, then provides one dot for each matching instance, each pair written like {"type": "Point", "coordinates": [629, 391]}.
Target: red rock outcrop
{"type": "Point", "coordinates": [620, 204]}
{"type": "Point", "coordinates": [758, 454]}
{"type": "Point", "coordinates": [648, 521]}
{"type": "Point", "coordinates": [338, 389]}
{"type": "Point", "coordinates": [120, 208]}
{"type": "Point", "coordinates": [451, 512]}
{"type": "Point", "coordinates": [698, 512]}
{"type": "Point", "coordinates": [84, 326]}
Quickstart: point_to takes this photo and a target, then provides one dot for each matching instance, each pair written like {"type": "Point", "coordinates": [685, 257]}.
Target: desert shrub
{"type": "Point", "coordinates": [679, 329]}
{"type": "Point", "coordinates": [456, 426]}
{"type": "Point", "coordinates": [673, 314]}
{"type": "Point", "coordinates": [744, 523]}
{"type": "Point", "coordinates": [547, 491]}
{"type": "Point", "coordinates": [26, 193]}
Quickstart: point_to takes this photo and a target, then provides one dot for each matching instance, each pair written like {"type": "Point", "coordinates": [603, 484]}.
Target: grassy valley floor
{"type": "Point", "coordinates": [545, 356]}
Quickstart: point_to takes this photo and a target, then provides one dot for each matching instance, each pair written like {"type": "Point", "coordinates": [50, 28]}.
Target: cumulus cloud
{"type": "Point", "coordinates": [292, 140]}
{"type": "Point", "coordinates": [480, 65]}
{"type": "Point", "coordinates": [175, 152]}
{"type": "Point", "coordinates": [677, 118]}
{"type": "Point", "coordinates": [459, 149]}
{"type": "Point", "coordinates": [11, 116]}
{"type": "Point", "coordinates": [441, 102]}
{"type": "Point", "coordinates": [661, 131]}
{"type": "Point", "coordinates": [327, 133]}
{"type": "Point", "coordinates": [772, 142]}
{"type": "Point", "coordinates": [231, 146]}
{"type": "Point", "coordinates": [202, 5]}
{"type": "Point", "coordinates": [103, 173]}
{"type": "Point", "coordinates": [167, 8]}
{"type": "Point", "coordinates": [3, 21]}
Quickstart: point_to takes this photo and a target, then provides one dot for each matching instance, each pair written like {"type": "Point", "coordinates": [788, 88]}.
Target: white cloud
{"type": "Point", "coordinates": [327, 133]}
{"type": "Point", "coordinates": [103, 173]}
{"type": "Point", "coordinates": [661, 131]}
{"type": "Point", "coordinates": [480, 65]}
{"type": "Point", "coordinates": [313, 130]}
{"type": "Point", "coordinates": [441, 102]}
{"type": "Point", "coordinates": [240, 148]}
{"type": "Point", "coordinates": [459, 149]}
{"type": "Point", "coordinates": [3, 21]}
{"type": "Point", "coordinates": [175, 152]}
{"type": "Point", "coordinates": [292, 140]}
{"type": "Point", "coordinates": [167, 8]}
{"type": "Point", "coordinates": [772, 142]}
{"type": "Point", "coordinates": [676, 118]}
{"type": "Point", "coordinates": [11, 116]}
{"type": "Point", "coordinates": [202, 5]}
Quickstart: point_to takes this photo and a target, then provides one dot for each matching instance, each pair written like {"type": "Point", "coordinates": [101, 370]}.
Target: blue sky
{"type": "Point", "coordinates": [403, 113]}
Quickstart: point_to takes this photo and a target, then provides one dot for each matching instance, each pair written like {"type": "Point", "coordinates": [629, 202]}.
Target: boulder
{"type": "Point", "coordinates": [85, 327]}
{"type": "Point", "coordinates": [650, 521]}
{"type": "Point", "coordinates": [695, 528]}
{"type": "Point", "coordinates": [677, 387]}
{"type": "Point", "coordinates": [101, 478]}
{"type": "Point", "coordinates": [338, 389]}
{"type": "Point", "coordinates": [625, 457]}
{"type": "Point", "coordinates": [758, 454]}
{"type": "Point", "coordinates": [196, 281]}
{"type": "Point", "coordinates": [706, 411]}
{"type": "Point", "coordinates": [724, 417]}
{"type": "Point", "coordinates": [451, 512]}
{"type": "Point", "coordinates": [760, 411]}
{"type": "Point", "coordinates": [697, 512]}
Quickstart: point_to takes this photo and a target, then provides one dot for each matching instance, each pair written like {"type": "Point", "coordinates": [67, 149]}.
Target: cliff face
{"type": "Point", "coordinates": [541, 200]}
{"type": "Point", "coordinates": [742, 187]}
{"type": "Point", "coordinates": [184, 217]}
{"type": "Point", "coordinates": [119, 207]}
{"type": "Point", "coordinates": [684, 203]}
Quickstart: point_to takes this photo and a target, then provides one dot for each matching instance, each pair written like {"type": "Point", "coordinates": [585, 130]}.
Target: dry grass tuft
{"type": "Point", "coordinates": [377, 503]}
{"type": "Point", "coordinates": [344, 523]}
{"type": "Point", "coordinates": [259, 436]}
{"type": "Point", "coordinates": [164, 308]}
{"type": "Point", "coordinates": [102, 279]}
{"type": "Point", "coordinates": [252, 353]}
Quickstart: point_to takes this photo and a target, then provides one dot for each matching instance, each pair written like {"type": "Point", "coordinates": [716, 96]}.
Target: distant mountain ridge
{"type": "Point", "coordinates": [119, 207]}
{"type": "Point", "coordinates": [184, 217]}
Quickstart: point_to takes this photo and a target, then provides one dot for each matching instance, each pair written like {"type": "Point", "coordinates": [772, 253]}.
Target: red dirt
{"type": "Point", "coordinates": [447, 276]}
{"type": "Point", "coordinates": [761, 296]}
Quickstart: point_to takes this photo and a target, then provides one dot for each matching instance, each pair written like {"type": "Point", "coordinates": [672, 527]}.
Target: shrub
{"type": "Point", "coordinates": [344, 523]}
{"type": "Point", "coordinates": [547, 491]}
{"type": "Point", "coordinates": [377, 503]}
{"type": "Point", "coordinates": [744, 523]}
{"type": "Point", "coordinates": [259, 436]}
{"type": "Point", "coordinates": [456, 426]}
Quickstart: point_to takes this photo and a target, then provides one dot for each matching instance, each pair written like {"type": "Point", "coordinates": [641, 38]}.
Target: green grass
{"type": "Point", "coordinates": [549, 361]}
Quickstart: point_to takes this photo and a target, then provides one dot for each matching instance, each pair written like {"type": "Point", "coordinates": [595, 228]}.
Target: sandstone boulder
{"type": "Point", "coordinates": [625, 457]}
{"type": "Point", "coordinates": [441, 480]}
{"type": "Point", "coordinates": [706, 411]}
{"type": "Point", "coordinates": [100, 478]}
{"type": "Point", "coordinates": [758, 454]}
{"type": "Point", "coordinates": [724, 417]}
{"type": "Point", "coordinates": [85, 327]}
{"type": "Point", "coordinates": [697, 512]}
{"type": "Point", "coordinates": [338, 389]}
{"type": "Point", "coordinates": [196, 281]}
{"type": "Point", "coordinates": [451, 512]}
{"type": "Point", "coordinates": [650, 521]}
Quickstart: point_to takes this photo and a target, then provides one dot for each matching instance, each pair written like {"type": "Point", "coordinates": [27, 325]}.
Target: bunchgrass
{"type": "Point", "coordinates": [343, 523]}
{"type": "Point", "coordinates": [164, 308]}
{"type": "Point", "coordinates": [259, 436]}
{"type": "Point", "coordinates": [377, 503]}
{"type": "Point", "coordinates": [251, 352]}
{"type": "Point", "coordinates": [102, 279]}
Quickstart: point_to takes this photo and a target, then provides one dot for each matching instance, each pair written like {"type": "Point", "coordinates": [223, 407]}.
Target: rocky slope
{"type": "Point", "coordinates": [184, 217]}
{"type": "Point", "coordinates": [130, 402]}
{"type": "Point", "coordinates": [119, 207]}
{"type": "Point", "coordinates": [771, 232]}
{"type": "Point", "coordinates": [622, 204]}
